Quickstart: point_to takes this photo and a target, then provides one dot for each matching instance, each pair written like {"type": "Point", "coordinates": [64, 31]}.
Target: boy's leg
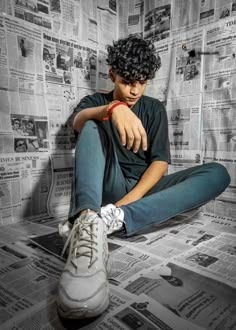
{"type": "Point", "coordinates": [176, 193]}
{"type": "Point", "coordinates": [83, 288]}
{"type": "Point", "coordinates": [98, 177]}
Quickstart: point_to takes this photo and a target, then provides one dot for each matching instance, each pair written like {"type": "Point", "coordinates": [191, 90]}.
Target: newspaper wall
{"type": "Point", "coordinates": [53, 53]}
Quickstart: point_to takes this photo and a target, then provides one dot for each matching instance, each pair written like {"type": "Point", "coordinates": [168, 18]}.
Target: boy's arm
{"type": "Point", "coordinates": [96, 113]}
{"type": "Point", "coordinates": [130, 128]}
{"type": "Point", "coordinates": [151, 176]}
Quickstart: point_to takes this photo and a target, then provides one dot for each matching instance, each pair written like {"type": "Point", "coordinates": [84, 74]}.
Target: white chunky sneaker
{"type": "Point", "coordinates": [83, 290]}
{"type": "Point", "coordinates": [113, 217]}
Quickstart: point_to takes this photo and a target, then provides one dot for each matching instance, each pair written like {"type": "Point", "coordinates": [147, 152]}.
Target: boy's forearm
{"type": "Point", "coordinates": [151, 176]}
{"type": "Point", "coordinates": [96, 113]}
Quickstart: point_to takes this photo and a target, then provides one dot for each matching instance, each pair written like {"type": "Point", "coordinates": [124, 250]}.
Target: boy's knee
{"type": "Point", "coordinates": [89, 134]}
{"type": "Point", "coordinates": [94, 132]}
{"type": "Point", "coordinates": [90, 124]}
{"type": "Point", "coordinates": [90, 129]}
{"type": "Point", "coordinates": [220, 174]}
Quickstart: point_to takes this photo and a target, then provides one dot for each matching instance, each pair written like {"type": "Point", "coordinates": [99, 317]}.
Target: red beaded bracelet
{"type": "Point", "coordinates": [110, 110]}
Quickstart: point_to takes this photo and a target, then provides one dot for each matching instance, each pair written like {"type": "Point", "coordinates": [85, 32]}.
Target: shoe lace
{"type": "Point", "coordinates": [82, 241]}
{"type": "Point", "coordinates": [111, 218]}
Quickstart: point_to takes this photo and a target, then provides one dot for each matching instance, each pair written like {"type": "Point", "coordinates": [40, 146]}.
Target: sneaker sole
{"type": "Point", "coordinates": [82, 312]}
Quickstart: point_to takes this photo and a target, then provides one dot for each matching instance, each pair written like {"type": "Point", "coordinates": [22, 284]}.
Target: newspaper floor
{"type": "Point", "coordinates": [181, 275]}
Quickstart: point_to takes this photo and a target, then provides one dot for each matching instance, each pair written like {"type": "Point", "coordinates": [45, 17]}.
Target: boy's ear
{"type": "Point", "coordinates": [112, 75]}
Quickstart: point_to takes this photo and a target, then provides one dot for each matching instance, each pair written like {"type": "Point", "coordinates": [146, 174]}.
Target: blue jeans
{"type": "Point", "coordinates": [100, 181]}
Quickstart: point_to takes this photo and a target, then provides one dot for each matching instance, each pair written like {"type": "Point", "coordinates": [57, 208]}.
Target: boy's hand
{"type": "Point", "coordinates": [130, 128]}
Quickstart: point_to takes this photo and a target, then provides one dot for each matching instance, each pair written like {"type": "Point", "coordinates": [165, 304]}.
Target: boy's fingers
{"type": "Point", "coordinates": [129, 138]}
{"type": "Point", "coordinates": [137, 140]}
{"type": "Point", "coordinates": [122, 134]}
{"type": "Point", "coordinates": [143, 138]}
{"type": "Point", "coordinates": [132, 133]}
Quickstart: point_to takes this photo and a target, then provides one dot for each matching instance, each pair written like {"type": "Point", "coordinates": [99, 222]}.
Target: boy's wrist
{"type": "Point", "coordinates": [111, 106]}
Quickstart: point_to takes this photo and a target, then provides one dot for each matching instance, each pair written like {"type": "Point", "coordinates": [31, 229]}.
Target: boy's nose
{"type": "Point", "coordinates": [134, 90]}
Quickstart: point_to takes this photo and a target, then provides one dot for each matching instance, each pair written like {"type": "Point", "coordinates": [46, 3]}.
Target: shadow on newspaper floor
{"type": "Point", "coordinates": [77, 324]}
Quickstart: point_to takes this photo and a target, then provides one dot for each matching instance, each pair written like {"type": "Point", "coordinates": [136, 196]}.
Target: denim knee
{"type": "Point", "coordinates": [88, 134]}
{"type": "Point", "coordinates": [90, 124]}
{"type": "Point", "coordinates": [219, 175]}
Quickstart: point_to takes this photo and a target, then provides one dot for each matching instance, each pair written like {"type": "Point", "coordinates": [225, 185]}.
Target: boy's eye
{"type": "Point", "coordinates": [141, 82]}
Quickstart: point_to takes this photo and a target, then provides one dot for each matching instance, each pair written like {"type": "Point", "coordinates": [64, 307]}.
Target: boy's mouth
{"type": "Point", "coordinates": [129, 99]}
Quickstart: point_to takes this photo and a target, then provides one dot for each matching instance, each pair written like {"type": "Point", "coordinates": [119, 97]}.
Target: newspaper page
{"type": "Point", "coordinates": [66, 17]}
{"type": "Point", "coordinates": [89, 27]}
{"type": "Point", "coordinates": [215, 11]}
{"type": "Point", "coordinates": [184, 115]}
{"type": "Point", "coordinates": [43, 315]}
{"type": "Point", "coordinates": [22, 230]}
{"type": "Point", "coordinates": [224, 205]}
{"type": "Point", "coordinates": [185, 75]}
{"type": "Point", "coordinates": [190, 295]}
{"type": "Point", "coordinates": [69, 66]}
{"type": "Point", "coordinates": [40, 316]}
{"type": "Point", "coordinates": [178, 235]}
{"type": "Point", "coordinates": [157, 19]}
{"type": "Point", "coordinates": [22, 87]}
{"type": "Point", "coordinates": [21, 130]}
{"type": "Point", "coordinates": [181, 85]}
{"type": "Point", "coordinates": [67, 62]}
{"type": "Point", "coordinates": [69, 17]}
{"type": "Point", "coordinates": [171, 242]}
{"type": "Point", "coordinates": [118, 298]}
{"type": "Point", "coordinates": [61, 101]}
{"type": "Point", "coordinates": [104, 82]}
{"type": "Point", "coordinates": [108, 21]}
{"type": "Point", "coordinates": [6, 7]}
{"type": "Point", "coordinates": [55, 13]}
{"type": "Point", "coordinates": [219, 130]}
{"type": "Point", "coordinates": [215, 261]}
{"type": "Point", "coordinates": [158, 86]}
{"type": "Point", "coordinates": [144, 313]}
{"type": "Point", "coordinates": [126, 261]}
{"type": "Point", "coordinates": [35, 12]}
{"type": "Point", "coordinates": [180, 74]}
{"type": "Point", "coordinates": [130, 17]}
{"type": "Point", "coordinates": [211, 222]}
{"type": "Point", "coordinates": [61, 188]}
{"type": "Point", "coordinates": [84, 92]}
{"type": "Point", "coordinates": [20, 293]}
{"type": "Point", "coordinates": [50, 242]}
{"type": "Point", "coordinates": [186, 14]}
{"type": "Point", "coordinates": [192, 14]}
{"type": "Point", "coordinates": [24, 186]}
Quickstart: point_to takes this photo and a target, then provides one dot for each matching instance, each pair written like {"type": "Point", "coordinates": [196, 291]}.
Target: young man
{"type": "Point", "coordinates": [121, 158]}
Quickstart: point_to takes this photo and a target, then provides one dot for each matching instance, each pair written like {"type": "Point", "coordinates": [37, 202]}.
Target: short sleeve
{"type": "Point", "coordinates": [88, 101]}
{"type": "Point", "coordinates": [159, 146]}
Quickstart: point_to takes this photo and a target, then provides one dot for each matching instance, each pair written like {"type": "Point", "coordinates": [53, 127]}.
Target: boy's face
{"type": "Point", "coordinates": [128, 92]}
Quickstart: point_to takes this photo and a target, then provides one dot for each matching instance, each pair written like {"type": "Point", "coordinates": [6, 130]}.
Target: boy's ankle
{"type": "Point", "coordinates": [87, 211]}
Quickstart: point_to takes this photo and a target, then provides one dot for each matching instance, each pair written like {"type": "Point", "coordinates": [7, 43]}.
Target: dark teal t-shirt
{"type": "Point", "coordinates": [153, 116]}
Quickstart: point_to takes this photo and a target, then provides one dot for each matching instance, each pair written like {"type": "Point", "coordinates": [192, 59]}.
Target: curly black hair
{"type": "Point", "coordinates": [133, 58]}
